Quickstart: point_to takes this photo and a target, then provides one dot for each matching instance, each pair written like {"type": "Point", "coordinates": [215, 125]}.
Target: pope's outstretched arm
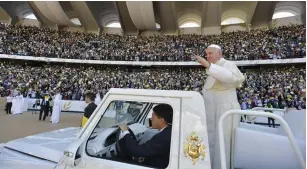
{"type": "Point", "coordinates": [229, 74]}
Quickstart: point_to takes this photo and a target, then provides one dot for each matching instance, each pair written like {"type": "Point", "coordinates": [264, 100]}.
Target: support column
{"type": "Point", "coordinates": [211, 19]}
{"type": "Point", "coordinates": [167, 12]}
{"type": "Point", "coordinates": [303, 14]}
{"type": "Point", "coordinates": [51, 11]}
{"type": "Point", "coordinates": [14, 20]}
{"type": "Point", "coordinates": [125, 19]}
{"type": "Point", "coordinates": [248, 27]}
{"type": "Point", "coordinates": [85, 16]}
{"type": "Point", "coordinates": [142, 14]}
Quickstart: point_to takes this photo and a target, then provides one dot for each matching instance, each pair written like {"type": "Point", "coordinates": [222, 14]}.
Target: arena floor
{"type": "Point", "coordinates": [18, 126]}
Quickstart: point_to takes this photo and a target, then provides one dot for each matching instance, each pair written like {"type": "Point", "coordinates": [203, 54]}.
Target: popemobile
{"type": "Point", "coordinates": [96, 145]}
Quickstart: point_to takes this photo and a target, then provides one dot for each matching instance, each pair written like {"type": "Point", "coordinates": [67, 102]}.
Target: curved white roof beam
{"type": "Point", "coordinates": [142, 14]}
{"type": "Point", "coordinates": [114, 25]}
{"type": "Point", "coordinates": [233, 20]}
{"type": "Point", "coordinates": [53, 11]}
{"type": "Point", "coordinates": [282, 15]}
{"type": "Point", "coordinates": [31, 16]}
{"type": "Point", "coordinates": [190, 25]}
{"type": "Point", "coordinates": [190, 19]}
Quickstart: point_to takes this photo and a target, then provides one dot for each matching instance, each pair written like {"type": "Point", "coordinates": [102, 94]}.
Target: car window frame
{"type": "Point", "coordinates": [135, 98]}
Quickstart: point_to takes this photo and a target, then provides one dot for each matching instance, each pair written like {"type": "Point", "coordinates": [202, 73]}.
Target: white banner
{"type": "Point", "coordinates": [144, 63]}
{"type": "Point", "coordinates": [67, 105]}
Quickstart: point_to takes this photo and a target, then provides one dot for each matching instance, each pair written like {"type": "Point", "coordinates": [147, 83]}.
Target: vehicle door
{"type": "Point", "coordinates": [83, 160]}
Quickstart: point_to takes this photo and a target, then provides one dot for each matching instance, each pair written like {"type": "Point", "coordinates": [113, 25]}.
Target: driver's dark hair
{"type": "Point", "coordinates": [90, 95]}
{"type": "Point", "coordinates": [164, 111]}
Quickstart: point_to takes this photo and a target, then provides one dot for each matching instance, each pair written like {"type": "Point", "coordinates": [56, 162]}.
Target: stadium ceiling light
{"type": "Point", "coordinates": [75, 21]}
{"type": "Point", "coordinates": [31, 16]}
{"type": "Point", "coordinates": [114, 25]}
{"type": "Point", "coordinates": [158, 26]}
{"type": "Point", "coordinates": [282, 15]}
{"type": "Point", "coordinates": [189, 25]}
{"type": "Point", "coordinates": [230, 21]}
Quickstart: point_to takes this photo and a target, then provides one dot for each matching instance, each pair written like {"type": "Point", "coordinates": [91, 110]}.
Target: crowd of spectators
{"type": "Point", "coordinates": [278, 87]}
{"type": "Point", "coordinates": [278, 43]}
{"type": "Point", "coordinates": [281, 86]}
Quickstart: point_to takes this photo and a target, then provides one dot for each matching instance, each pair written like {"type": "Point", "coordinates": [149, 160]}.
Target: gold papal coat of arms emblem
{"type": "Point", "coordinates": [194, 148]}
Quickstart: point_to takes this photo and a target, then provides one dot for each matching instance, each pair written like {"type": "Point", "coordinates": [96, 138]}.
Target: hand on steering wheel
{"type": "Point", "coordinates": [123, 127]}
{"type": "Point", "coordinates": [120, 148]}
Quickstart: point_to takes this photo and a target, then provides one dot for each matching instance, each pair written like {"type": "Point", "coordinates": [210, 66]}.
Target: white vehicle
{"type": "Point", "coordinates": [96, 144]}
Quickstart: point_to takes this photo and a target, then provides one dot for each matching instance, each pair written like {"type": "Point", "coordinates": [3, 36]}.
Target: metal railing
{"type": "Point", "coordinates": [252, 120]}
{"type": "Point", "coordinates": [273, 109]}
{"type": "Point", "coordinates": [283, 123]}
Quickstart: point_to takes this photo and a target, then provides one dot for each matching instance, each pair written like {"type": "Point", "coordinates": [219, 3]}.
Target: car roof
{"type": "Point", "coordinates": [151, 92]}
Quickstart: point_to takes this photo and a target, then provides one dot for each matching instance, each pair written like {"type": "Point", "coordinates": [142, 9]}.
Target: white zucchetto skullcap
{"type": "Point", "coordinates": [214, 46]}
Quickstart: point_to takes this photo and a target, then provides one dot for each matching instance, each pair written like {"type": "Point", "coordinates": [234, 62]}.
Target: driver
{"type": "Point", "coordinates": [156, 151]}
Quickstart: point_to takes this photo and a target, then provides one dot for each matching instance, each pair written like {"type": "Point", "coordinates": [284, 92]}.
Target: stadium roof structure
{"type": "Point", "coordinates": [134, 16]}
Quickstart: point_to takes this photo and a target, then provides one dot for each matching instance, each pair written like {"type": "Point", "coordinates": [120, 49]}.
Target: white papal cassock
{"type": "Point", "coordinates": [219, 93]}
{"type": "Point", "coordinates": [97, 99]}
{"type": "Point", "coordinates": [13, 105]}
{"type": "Point", "coordinates": [57, 108]}
{"type": "Point", "coordinates": [17, 105]}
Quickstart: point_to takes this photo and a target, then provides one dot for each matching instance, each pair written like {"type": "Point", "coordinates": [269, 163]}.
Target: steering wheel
{"type": "Point", "coordinates": [122, 152]}
{"type": "Point", "coordinates": [128, 124]}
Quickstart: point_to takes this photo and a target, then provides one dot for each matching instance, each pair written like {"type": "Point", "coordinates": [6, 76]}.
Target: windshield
{"type": "Point", "coordinates": [119, 112]}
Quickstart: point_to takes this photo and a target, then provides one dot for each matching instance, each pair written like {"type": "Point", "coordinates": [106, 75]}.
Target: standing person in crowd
{"type": "Point", "coordinates": [14, 104]}
{"type": "Point", "coordinates": [51, 103]}
{"type": "Point", "coordinates": [8, 105]}
{"type": "Point", "coordinates": [23, 105]}
{"type": "Point", "coordinates": [90, 108]}
{"type": "Point", "coordinates": [220, 95]}
{"type": "Point", "coordinates": [119, 105]}
{"type": "Point", "coordinates": [269, 105]}
{"type": "Point", "coordinates": [44, 106]}
{"type": "Point", "coordinates": [97, 99]}
{"type": "Point", "coordinates": [57, 108]}
{"type": "Point", "coordinates": [36, 104]}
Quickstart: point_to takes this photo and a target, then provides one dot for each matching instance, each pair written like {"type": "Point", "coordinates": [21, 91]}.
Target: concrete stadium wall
{"type": "Point", "coordinates": [4, 17]}
{"type": "Point", "coordinates": [5, 21]}
{"type": "Point", "coordinates": [296, 20]}
{"type": "Point", "coordinates": [260, 26]}
{"type": "Point", "coordinates": [151, 33]}
{"type": "Point", "coordinates": [74, 29]}
{"type": "Point", "coordinates": [29, 22]}
{"type": "Point", "coordinates": [235, 27]}
{"type": "Point", "coordinates": [196, 31]}
{"type": "Point", "coordinates": [211, 30]}
{"type": "Point", "coordinates": [116, 31]}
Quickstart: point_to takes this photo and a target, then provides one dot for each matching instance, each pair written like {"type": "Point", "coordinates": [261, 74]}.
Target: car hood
{"type": "Point", "coordinates": [49, 146]}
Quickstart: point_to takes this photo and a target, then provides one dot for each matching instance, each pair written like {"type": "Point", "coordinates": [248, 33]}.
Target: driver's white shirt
{"type": "Point", "coordinates": [123, 133]}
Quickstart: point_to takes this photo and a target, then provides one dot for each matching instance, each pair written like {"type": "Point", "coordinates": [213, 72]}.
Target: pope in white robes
{"type": "Point", "coordinates": [13, 105]}
{"type": "Point", "coordinates": [97, 99]}
{"type": "Point", "coordinates": [18, 104]}
{"type": "Point", "coordinates": [219, 93]}
{"type": "Point", "coordinates": [57, 108]}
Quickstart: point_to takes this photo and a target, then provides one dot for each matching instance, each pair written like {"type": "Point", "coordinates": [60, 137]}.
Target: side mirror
{"type": "Point", "coordinates": [70, 153]}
